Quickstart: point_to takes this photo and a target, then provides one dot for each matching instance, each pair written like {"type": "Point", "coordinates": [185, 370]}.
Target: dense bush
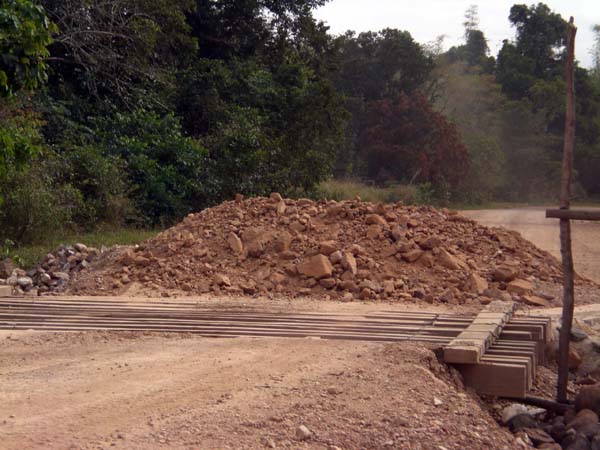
{"type": "Point", "coordinates": [34, 205]}
{"type": "Point", "coordinates": [165, 170]}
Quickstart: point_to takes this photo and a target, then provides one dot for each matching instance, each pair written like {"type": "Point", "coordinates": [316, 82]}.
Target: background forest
{"type": "Point", "coordinates": [138, 112]}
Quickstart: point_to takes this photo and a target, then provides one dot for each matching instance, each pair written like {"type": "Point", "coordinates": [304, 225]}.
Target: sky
{"type": "Point", "coordinates": [427, 19]}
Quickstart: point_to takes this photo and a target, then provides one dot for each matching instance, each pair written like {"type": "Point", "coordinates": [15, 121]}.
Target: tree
{"type": "Point", "coordinates": [406, 140]}
{"type": "Point", "coordinates": [540, 36]}
{"type": "Point", "coordinates": [375, 66]}
{"type": "Point", "coordinates": [471, 19]}
{"type": "Point", "coordinates": [122, 51]}
{"type": "Point", "coordinates": [25, 33]}
{"type": "Point", "coordinates": [475, 50]}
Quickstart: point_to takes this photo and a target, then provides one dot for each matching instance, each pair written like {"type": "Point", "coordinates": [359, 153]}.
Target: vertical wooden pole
{"type": "Point", "coordinates": [565, 224]}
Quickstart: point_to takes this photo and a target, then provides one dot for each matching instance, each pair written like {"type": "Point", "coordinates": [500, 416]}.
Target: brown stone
{"type": "Point", "coordinates": [255, 248]}
{"type": "Point", "coordinates": [505, 273]}
{"type": "Point", "coordinates": [317, 267]}
{"type": "Point", "coordinates": [388, 251]}
{"type": "Point", "coordinates": [520, 287]}
{"type": "Point", "coordinates": [554, 446]}
{"type": "Point", "coordinates": [239, 198]}
{"type": "Point", "coordinates": [298, 227]}
{"type": "Point", "coordinates": [328, 283]}
{"type": "Point", "coordinates": [349, 285]}
{"type": "Point", "coordinates": [475, 284]}
{"type": "Point", "coordinates": [357, 250]}
{"type": "Point", "coordinates": [369, 284]}
{"type": "Point", "coordinates": [276, 197]}
{"type": "Point", "coordinates": [533, 300]}
{"type": "Point", "coordinates": [412, 255]}
{"type": "Point", "coordinates": [248, 287]}
{"type": "Point", "coordinates": [449, 261]}
{"type": "Point", "coordinates": [336, 257]}
{"type": "Point", "coordinates": [328, 247]}
{"type": "Point", "coordinates": [221, 280]}
{"type": "Point", "coordinates": [427, 259]}
{"type": "Point", "coordinates": [366, 294]}
{"type": "Point", "coordinates": [349, 262]}
{"type": "Point", "coordinates": [280, 208]}
{"type": "Point", "coordinates": [584, 419]}
{"type": "Point", "coordinates": [375, 219]}
{"type": "Point", "coordinates": [574, 358]}
{"type": "Point", "coordinates": [335, 210]}
{"type": "Point", "coordinates": [397, 234]}
{"type": "Point", "coordinates": [537, 436]}
{"type": "Point", "coordinates": [277, 278]}
{"type": "Point", "coordinates": [289, 255]}
{"type": "Point", "coordinates": [283, 241]}
{"type": "Point", "coordinates": [374, 232]}
{"type": "Point", "coordinates": [235, 243]}
{"type": "Point", "coordinates": [389, 287]}
{"type": "Point", "coordinates": [588, 398]}
{"type": "Point", "coordinates": [430, 243]}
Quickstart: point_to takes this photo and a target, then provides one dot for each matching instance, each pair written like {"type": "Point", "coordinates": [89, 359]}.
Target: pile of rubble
{"type": "Point", "coordinates": [52, 273]}
{"type": "Point", "coordinates": [328, 249]}
{"type": "Point", "coordinates": [577, 429]}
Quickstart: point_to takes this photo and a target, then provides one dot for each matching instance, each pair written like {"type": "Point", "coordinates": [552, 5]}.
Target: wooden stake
{"type": "Point", "coordinates": [565, 223]}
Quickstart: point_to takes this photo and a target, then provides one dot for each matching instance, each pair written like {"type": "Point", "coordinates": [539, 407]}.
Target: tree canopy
{"type": "Point", "coordinates": [141, 111]}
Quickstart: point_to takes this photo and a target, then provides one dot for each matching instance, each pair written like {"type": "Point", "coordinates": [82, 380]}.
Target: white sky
{"type": "Point", "coordinates": [427, 19]}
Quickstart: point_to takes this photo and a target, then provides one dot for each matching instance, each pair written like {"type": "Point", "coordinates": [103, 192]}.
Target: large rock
{"type": "Point", "coordinates": [221, 280]}
{"type": "Point", "coordinates": [533, 300]}
{"type": "Point", "coordinates": [505, 273]}
{"type": "Point", "coordinates": [349, 262]}
{"type": "Point", "coordinates": [475, 284]}
{"type": "Point", "coordinates": [412, 255]}
{"type": "Point", "coordinates": [317, 267]}
{"type": "Point", "coordinates": [276, 197]}
{"type": "Point", "coordinates": [588, 398]}
{"type": "Point", "coordinates": [585, 422]}
{"type": "Point", "coordinates": [575, 359]}
{"type": "Point", "coordinates": [375, 219]}
{"type": "Point", "coordinates": [235, 243]}
{"type": "Point", "coordinates": [430, 243]}
{"type": "Point", "coordinates": [25, 282]}
{"type": "Point", "coordinates": [283, 241]}
{"type": "Point", "coordinates": [327, 247]}
{"type": "Point", "coordinates": [522, 421]}
{"type": "Point", "coordinates": [520, 287]}
{"type": "Point", "coordinates": [449, 261]}
{"type": "Point", "coordinates": [538, 437]}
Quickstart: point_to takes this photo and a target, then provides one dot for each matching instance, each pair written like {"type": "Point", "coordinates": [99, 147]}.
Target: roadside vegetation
{"type": "Point", "coordinates": [130, 114]}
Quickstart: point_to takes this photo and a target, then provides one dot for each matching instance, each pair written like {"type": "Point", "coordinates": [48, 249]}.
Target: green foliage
{"type": "Point", "coordinates": [374, 66]}
{"type": "Point", "coordinates": [124, 52]}
{"type": "Point", "coordinates": [541, 36]}
{"type": "Point", "coordinates": [28, 255]}
{"type": "Point", "coordinates": [34, 204]}
{"type": "Point", "coordinates": [164, 168]}
{"type": "Point", "coordinates": [19, 140]}
{"type": "Point", "coordinates": [99, 180]}
{"type": "Point", "coordinates": [416, 194]}
{"type": "Point", "coordinates": [25, 33]}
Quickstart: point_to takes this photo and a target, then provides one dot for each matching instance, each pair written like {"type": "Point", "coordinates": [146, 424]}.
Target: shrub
{"type": "Point", "coordinates": [34, 205]}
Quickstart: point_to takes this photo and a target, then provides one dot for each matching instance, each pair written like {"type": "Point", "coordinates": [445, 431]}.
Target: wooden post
{"type": "Point", "coordinates": [565, 223]}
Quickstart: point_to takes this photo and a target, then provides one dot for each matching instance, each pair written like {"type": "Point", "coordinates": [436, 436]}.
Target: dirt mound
{"type": "Point", "coordinates": [349, 249]}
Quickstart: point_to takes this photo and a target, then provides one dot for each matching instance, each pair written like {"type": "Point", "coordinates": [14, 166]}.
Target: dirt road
{"type": "Point", "coordinates": [544, 233]}
{"type": "Point", "coordinates": [101, 390]}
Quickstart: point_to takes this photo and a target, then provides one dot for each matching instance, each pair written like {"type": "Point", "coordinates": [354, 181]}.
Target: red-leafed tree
{"type": "Point", "coordinates": [406, 140]}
